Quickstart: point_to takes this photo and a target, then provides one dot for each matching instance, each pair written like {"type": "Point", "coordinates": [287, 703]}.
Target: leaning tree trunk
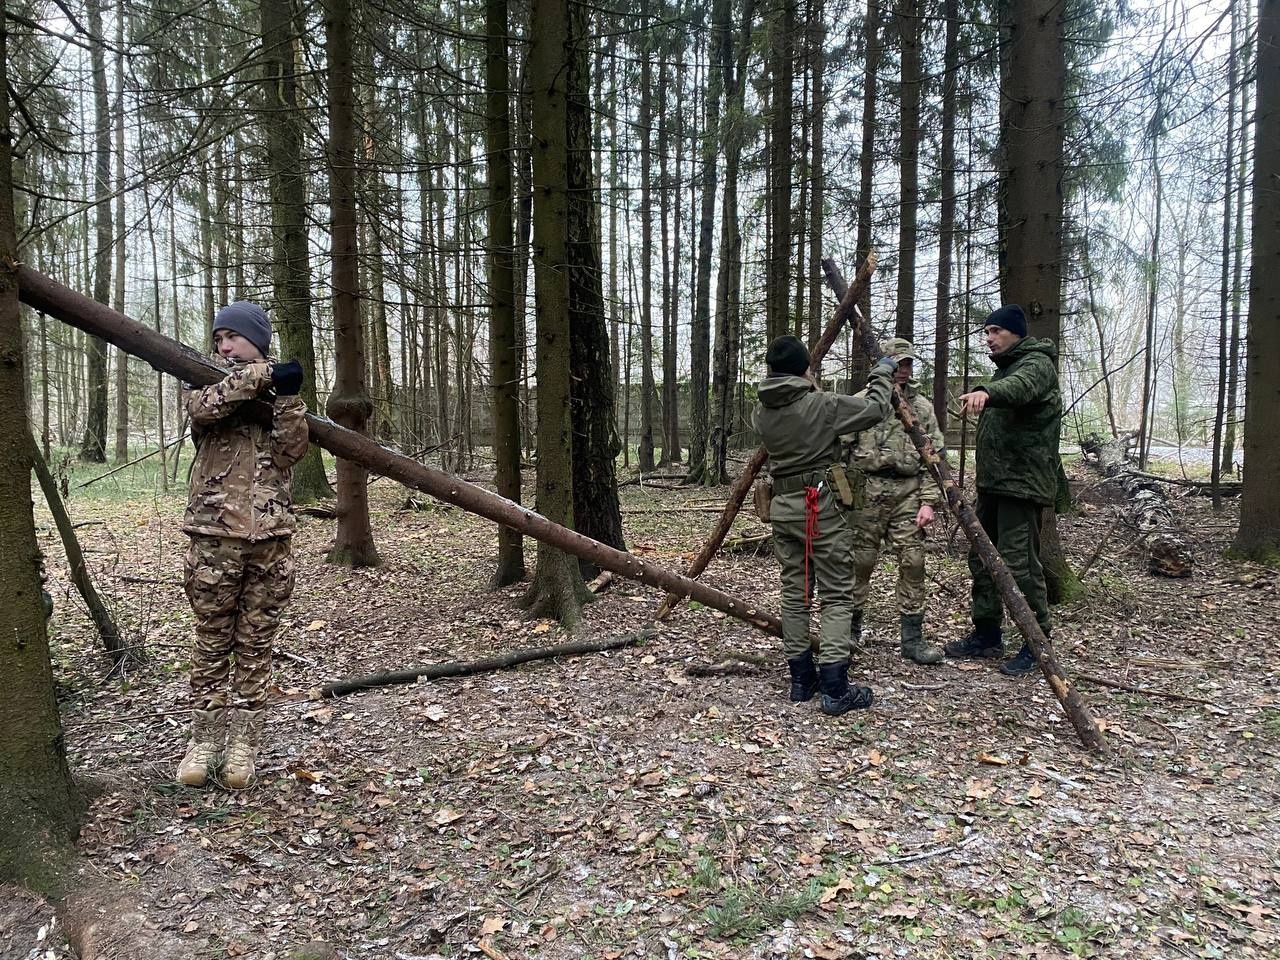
{"type": "Point", "coordinates": [121, 654]}
{"type": "Point", "coordinates": [1146, 506]}
{"type": "Point", "coordinates": [349, 402]}
{"type": "Point", "coordinates": [51, 297]}
{"type": "Point", "coordinates": [1019, 610]}
{"type": "Point", "coordinates": [39, 807]}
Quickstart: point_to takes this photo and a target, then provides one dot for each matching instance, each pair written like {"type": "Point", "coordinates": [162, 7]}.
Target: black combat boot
{"type": "Point", "coordinates": [986, 641]}
{"type": "Point", "coordinates": [914, 645]}
{"type": "Point", "coordinates": [838, 695]}
{"type": "Point", "coordinates": [804, 679]}
{"type": "Point", "coordinates": [1023, 662]}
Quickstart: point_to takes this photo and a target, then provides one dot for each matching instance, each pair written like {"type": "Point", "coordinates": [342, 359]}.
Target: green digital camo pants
{"type": "Point", "coordinates": [1014, 527]}
{"type": "Point", "coordinates": [889, 515]}
{"type": "Point", "coordinates": [831, 580]}
{"type": "Point", "coordinates": [238, 591]}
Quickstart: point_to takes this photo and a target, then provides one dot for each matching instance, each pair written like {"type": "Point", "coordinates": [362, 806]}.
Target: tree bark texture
{"type": "Point", "coordinates": [93, 447]}
{"type": "Point", "coordinates": [290, 261]}
{"type": "Point", "coordinates": [591, 384]}
{"type": "Point", "coordinates": [909, 93]}
{"type": "Point", "coordinates": [1259, 533]}
{"type": "Point", "coordinates": [48, 296]}
{"type": "Point", "coordinates": [557, 590]}
{"type": "Point", "coordinates": [782, 27]}
{"type": "Point", "coordinates": [503, 368]}
{"type": "Point", "coordinates": [645, 449]}
{"type": "Point", "coordinates": [947, 214]}
{"type": "Point", "coordinates": [349, 402]}
{"type": "Point", "coordinates": [1019, 610]}
{"type": "Point", "coordinates": [39, 807]}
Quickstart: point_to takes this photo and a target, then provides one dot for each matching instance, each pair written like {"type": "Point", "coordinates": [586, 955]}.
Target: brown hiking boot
{"type": "Point", "coordinates": [244, 733]}
{"type": "Point", "coordinates": [208, 728]}
{"type": "Point", "coordinates": [914, 645]}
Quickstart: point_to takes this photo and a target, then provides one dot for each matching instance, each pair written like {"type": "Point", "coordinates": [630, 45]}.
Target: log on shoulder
{"type": "Point", "coordinates": [168, 356]}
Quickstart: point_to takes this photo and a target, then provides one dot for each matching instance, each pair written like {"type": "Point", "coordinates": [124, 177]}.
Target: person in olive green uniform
{"type": "Point", "coordinates": [800, 426]}
{"type": "Point", "coordinates": [900, 502]}
{"type": "Point", "coordinates": [1018, 476]}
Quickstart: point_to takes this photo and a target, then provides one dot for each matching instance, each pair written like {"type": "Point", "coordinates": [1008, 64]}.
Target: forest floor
{"type": "Point", "coordinates": [613, 806]}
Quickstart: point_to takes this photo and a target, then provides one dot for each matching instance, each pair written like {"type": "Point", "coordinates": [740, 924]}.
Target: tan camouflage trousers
{"type": "Point", "coordinates": [889, 516]}
{"type": "Point", "coordinates": [238, 591]}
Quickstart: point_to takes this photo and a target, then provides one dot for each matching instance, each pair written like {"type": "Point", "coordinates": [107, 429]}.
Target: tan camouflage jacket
{"type": "Point", "coordinates": [885, 450]}
{"type": "Point", "coordinates": [242, 471]}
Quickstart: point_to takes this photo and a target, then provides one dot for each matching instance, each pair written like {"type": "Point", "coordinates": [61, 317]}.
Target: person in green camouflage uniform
{"type": "Point", "coordinates": [800, 426]}
{"type": "Point", "coordinates": [899, 502]}
{"type": "Point", "coordinates": [1019, 473]}
{"type": "Point", "coordinates": [239, 569]}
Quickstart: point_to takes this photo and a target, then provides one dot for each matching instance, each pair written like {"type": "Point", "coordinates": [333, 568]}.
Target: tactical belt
{"type": "Point", "coordinates": [798, 481]}
{"type": "Point", "coordinates": [891, 474]}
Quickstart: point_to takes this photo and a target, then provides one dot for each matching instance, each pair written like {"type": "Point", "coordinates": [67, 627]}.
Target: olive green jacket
{"type": "Point", "coordinates": [801, 428]}
{"type": "Point", "coordinates": [1017, 445]}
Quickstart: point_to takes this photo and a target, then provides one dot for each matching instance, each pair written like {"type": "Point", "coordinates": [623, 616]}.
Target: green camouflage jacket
{"type": "Point", "coordinates": [801, 428]}
{"type": "Point", "coordinates": [240, 478]}
{"type": "Point", "coordinates": [886, 448]}
{"type": "Point", "coordinates": [1017, 445]}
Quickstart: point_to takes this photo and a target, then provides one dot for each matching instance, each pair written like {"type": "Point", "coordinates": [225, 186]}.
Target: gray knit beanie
{"type": "Point", "coordinates": [247, 319]}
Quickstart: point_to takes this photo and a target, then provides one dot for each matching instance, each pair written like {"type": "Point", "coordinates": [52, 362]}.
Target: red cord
{"type": "Point", "coordinates": [811, 533]}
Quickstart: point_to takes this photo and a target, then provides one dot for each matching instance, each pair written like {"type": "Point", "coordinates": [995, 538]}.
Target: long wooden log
{"type": "Point", "coordinates": [1168, 552]}
{"type": "Point", "coordinates": [1072, 703]}
{"type": "Point", "coordinates": [742, 486]}
{"type": "Point", "coordinates": [168, 356]}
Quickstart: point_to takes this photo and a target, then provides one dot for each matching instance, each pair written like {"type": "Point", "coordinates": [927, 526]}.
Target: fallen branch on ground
{"type": "Point", "coordinates": [439, 671]}
{"type": "Point", "coordinates": [1145, 691]}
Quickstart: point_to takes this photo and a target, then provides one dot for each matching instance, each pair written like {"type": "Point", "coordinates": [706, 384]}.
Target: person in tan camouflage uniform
{"type": "Point", "coordinates": [900, 502]}
{"type": "Point", "coordinates": [239, 569]}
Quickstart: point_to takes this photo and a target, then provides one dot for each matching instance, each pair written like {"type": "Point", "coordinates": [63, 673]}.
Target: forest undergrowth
{"type": "Point", "coordinates": [615, 806]}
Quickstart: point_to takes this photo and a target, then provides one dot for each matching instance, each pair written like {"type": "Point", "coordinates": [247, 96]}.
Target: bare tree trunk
{"type": "Point", "coordinates": [1259, 533]}
{"type": "Point", "coordinates": [349, 402]}
{"type": "Point", "coordinates": [646, 257]}
{"type": "Point", "coordinates": [700, 332]}
{"type": "Point", "coordinates": [1233, 359]}
{"type": "Point", "coordinates": [557, 589]}
{"type": "Point", "coordinates": [866, 170]}
{"type": "Point", "coordinates": [39, 806]}
{"type": "Point", "coordinates": [911, 80]}
{"type": "Point", "coordinates": [503, 368]}
{"type": "Point", "coordinates": [93, 447]}
{"type": "Point", "coordinates": [781, 80]}
{"type": "Point", "coordinates": [122, 359]}
{"type": "Point", "coordinates": [282, 122]}
{"type": "Point", "coordinates": [947, 215]}
{"type": "Point", "coordinates": [817, 161]}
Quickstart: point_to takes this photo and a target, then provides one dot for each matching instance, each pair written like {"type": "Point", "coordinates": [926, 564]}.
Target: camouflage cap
{"type": "Point", "coordinates": [899, 349]}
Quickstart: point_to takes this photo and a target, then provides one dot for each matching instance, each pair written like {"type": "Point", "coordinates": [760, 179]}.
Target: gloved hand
{"type": "Point", "coordinates": [286, 378]}
{"type": "Point", "coordinates": [886, 364]}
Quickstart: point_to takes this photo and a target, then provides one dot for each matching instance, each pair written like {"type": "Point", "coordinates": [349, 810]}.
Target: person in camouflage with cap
{"type": "Point", "coordinates": [239, 568]}
{"type": "Point", "coordinates": [800, 426]}
{"type": "Point", "coordinates": [900, 501]}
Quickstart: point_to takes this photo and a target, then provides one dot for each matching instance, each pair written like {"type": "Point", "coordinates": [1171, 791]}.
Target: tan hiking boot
{"type": "Point", "coordinates": [245, 731]}
{"type": "Point", "coordinates": [208, 729]}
